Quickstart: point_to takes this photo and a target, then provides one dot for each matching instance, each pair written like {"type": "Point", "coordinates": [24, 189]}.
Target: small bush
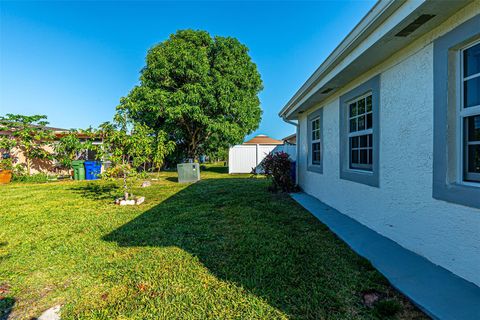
{"type": "Point", "coordinates": [112, 173]}
{"type": "Point", "coordinates": [387, 308]}
{"type": "Point", "coordinates": [38, 177]}
{"type": "Point", "coordinates": [6, 164]}
{"type": "Point", "coordinates": [277, 167]}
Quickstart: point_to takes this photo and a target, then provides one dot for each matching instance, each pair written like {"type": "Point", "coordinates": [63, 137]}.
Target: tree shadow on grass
{"type": "Point", "coordinates": [216, 169]}
{"type": "Point", "coordinates": [263, 242]}
{"type": "Point", "coordinates": [6, 306]}
{"type": "Point", "coordinates": [97, 191]}
{"type": "Point", "coordinates": [3, 257]}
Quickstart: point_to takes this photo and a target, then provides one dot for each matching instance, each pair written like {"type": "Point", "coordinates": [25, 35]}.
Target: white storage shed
{"type": "Point", "coordinates": [246, 157]}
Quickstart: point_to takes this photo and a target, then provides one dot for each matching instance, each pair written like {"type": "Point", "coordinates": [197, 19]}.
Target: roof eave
{"type": "Point", "coordinates": [378, 13]}
{"type": "Point", "coordinates": [365, 47]}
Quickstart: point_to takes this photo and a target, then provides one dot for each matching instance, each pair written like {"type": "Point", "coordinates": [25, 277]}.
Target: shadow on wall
{"type": "Point", "coordinates": [291, 149]}
{"type": "Point", "coordinates": [37, 165]}
{"type": "Point", "coordinates": [247, 236]}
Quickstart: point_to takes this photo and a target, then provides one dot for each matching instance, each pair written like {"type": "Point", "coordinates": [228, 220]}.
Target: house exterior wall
{"type": "Point", "coordinates": [402, 207]}
{"type": "Point", "coordinates": [38, 166]}
{"type": "Point", "coordinates": [41, 165]}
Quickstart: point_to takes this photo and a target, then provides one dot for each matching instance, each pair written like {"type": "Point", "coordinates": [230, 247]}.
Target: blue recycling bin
{"type": "Point", "coordinates": [92, 169]}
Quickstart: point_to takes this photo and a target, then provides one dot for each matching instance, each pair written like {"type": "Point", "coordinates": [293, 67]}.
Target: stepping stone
{"type": "Point", "coordinates": [51, 314]}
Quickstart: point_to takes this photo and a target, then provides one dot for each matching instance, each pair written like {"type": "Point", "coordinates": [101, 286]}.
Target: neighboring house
{"type": "Point", "coordinates": [47, 166]}
{"type": "Point", "coordinates": [246, 157]}
{"type": "Point", "coordinates": [389, 129]}
{"type": "Point", "coordinates": [291, 139]}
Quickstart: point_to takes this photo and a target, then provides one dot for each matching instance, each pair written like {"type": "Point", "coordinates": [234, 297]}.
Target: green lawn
{"type": "Point", "coordinates": [222, 248]}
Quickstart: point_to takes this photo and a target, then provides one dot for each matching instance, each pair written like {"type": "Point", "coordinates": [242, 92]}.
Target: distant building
{"type": "Point", "coordinates": [291, 139]}
{"type": "Point", "coordinates": [45, 165]}
{"type": "Point", "coordinates": [262, 139]}
{"type": "Point", "coordinates": [246, 157]}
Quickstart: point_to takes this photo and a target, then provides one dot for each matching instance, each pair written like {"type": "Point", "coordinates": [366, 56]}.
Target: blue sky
{"type": "Point", "coordinates": [73, 61]}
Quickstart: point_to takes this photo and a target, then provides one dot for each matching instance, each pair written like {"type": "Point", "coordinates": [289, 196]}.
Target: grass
{"type": "Point", "coordinates": [222, 248]}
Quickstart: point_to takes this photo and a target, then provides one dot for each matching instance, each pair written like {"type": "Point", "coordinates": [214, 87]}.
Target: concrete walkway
{"type": "Point", "coordinates": [435, 290]}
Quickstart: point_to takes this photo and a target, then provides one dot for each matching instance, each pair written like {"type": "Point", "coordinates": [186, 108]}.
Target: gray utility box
{"type": "Point", "coordinates": [188, 172]}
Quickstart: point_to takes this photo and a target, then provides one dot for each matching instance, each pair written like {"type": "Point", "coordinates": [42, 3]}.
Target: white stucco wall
{"type": "Point", "coordinates": [402, 208]}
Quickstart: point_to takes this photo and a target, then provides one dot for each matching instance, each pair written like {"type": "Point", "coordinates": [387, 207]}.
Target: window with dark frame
{"type": "Point", "coordinates": [360, 133]}
{"type": "Point", "coordinates": [470, 111]}
{"type": "Point", "coordinates": [316, 142]}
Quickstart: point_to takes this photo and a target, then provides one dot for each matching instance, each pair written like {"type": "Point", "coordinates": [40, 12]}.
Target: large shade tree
{"type": "Point", "coordinates": [203, 91]}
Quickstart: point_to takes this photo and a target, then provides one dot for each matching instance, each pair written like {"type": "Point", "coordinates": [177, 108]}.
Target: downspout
{"type": "Point", "coordinates": [290, 122]}
{"type": "Point", "coordinates": [296, 124]}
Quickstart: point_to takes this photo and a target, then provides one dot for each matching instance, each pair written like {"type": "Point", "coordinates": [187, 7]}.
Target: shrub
{"type": "Point", "coordinates": [20, 175]}
{"type": "Point", "coordinates": [36, 177]}
{"type": "Point", "coordinates": [7, 159]}
{"type": "Point", "coordinates": [277, 167]}
{"type": "Point", "coordinates": [19, 170]}
{"type": "Point", "coordinates": [6, 164]}
{"type": "Point", "coordinates": [112, 173]}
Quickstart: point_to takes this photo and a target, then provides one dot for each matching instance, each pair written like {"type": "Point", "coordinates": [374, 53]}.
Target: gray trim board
{"type": "Point", "coordinates": [445, 185]}
{"type": "Point", "coordinates": [369, 178]}
{"type": "Point", "coordinates": [438, 292]}
{"type": "Point", "coordinates": [314, 167]}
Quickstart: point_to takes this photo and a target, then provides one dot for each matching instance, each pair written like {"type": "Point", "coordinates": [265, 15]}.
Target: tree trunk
{"type": "Point", "coordinates": [29, 165]}
{"type": "Point", "coordinates": [192, 146]}
{"type": "Point", "coordinates": [125, 191]}
{"type": "Point", "coordinates": [125, 188]}
{"type": "Point", "coordinates": [191, 150]}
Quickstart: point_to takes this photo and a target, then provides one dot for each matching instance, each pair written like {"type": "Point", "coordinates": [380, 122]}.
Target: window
{"type": "Point", "coordinates": [470, 111]}
{"type": "Point", "coordinates": [360, 134]}
{"type": "Point", "coordinates": [315, 143]}
{"type": "Point", "coordinates": [456, 115]}
{"type": "Point", "coordinates": [316, 151]}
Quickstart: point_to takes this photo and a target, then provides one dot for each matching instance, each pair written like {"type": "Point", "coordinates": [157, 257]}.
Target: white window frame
{"type": "Point", "coordinates": [365, 132]}
{"type": "Point", "coordinates": [315, 141]}
{"type": "Point", "coordinates": [463, 113]}
{"type": "Point", "coordinates": [316, 115]}
{"type": "Point", "coordinates": [367, 177]}
{"type": "Point", "coordinates": [448, 182]}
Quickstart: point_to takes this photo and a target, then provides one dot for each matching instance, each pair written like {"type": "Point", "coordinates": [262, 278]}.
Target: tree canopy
{"type": "Point", "coordinates": [128, 145]}
{"type": "Point", "coordinates": [70, 147]}
{"type": "Point", "coordinates": [202, 90]}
